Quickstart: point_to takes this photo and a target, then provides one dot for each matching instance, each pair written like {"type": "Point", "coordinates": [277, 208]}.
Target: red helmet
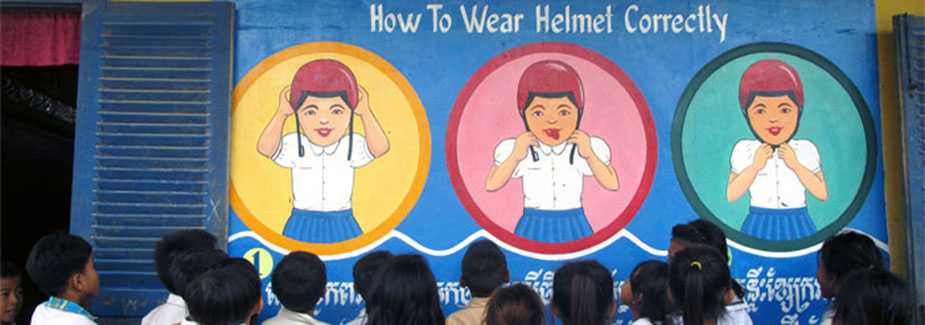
{"type": "Point", "coordinates": [324, 76]}
{"type": "Point", "coordinates": [550, 77]}
{"type": "Point", "coordinates": [770, 76]}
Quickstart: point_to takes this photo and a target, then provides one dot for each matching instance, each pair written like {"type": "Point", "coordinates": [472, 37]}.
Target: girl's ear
{"type": "Point", "coordinates": [76, 282]}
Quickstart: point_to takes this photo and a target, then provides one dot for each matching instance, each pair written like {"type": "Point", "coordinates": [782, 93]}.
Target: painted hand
{"type": "Point", "coordinates": [583, 141]}
{"type": "Point", "coordinates": [284, 108]}
{"type": "Point", "coordinates": [362, 108]}
{"type": "Point", "coordinates": [762, 155]}
{"type": "Point", "coordinates": [789, 156]}
{"type": "Point", "coordinates": [522, 145]}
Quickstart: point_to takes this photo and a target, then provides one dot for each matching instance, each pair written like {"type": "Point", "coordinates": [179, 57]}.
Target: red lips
{"type": "Point", "coordinates": [323, 131]}
{"type": "Point", "coordinates": [552, 133]}
{"type": "Point", "coordinates": [775, 130]}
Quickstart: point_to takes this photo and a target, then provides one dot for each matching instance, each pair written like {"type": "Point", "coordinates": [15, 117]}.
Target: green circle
{"type": "Point", "coordinates": [708, 122]}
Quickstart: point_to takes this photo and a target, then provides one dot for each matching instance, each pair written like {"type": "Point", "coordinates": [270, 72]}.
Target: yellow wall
{"type": "Point", "coordinates": [889, 113]}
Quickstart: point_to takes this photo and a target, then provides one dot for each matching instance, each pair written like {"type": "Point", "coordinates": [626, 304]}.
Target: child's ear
{"type": "Point", "coordinates": [507, 276]}
{"type": "Point", "coordinates": [76, 282]}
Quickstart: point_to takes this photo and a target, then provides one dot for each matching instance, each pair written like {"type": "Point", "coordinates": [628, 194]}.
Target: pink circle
{"type": "Point", "coordinates": [614, 112]}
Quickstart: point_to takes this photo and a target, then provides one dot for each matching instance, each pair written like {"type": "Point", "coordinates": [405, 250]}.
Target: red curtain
{"type": "Point", "coordinates": [39, 37]}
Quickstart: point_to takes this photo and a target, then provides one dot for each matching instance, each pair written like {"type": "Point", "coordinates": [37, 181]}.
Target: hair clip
{"type": "Point", "coordinates": [697, 265]}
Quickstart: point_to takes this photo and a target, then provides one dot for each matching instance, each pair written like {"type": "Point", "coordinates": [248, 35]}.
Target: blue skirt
{"type": "Point", "coordinates": [321, 226]}
{"type": "Point", "coordinates": [553, 226]}
{"type": "Point", "coordinates": [778, 224]}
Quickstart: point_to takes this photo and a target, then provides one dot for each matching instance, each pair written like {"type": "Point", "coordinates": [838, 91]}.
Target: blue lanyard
{"type": "Point", "coordinates": [68, 306]}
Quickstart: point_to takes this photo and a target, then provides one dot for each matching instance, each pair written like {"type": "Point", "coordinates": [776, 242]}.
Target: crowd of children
{"type": "Point", "coordinates": [694, 286]}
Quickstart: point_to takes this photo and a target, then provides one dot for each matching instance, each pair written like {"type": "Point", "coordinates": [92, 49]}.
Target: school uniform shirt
{"type": "Point", "coordinates": [471, 314]}
{"type": "Point", "coordinates": [322, 179]}
{"type": "Point", "coordinates": [642, 321]}
{"type": "Point", "coordinates": [57, 311]}
{"type": "Point", "coordinates": [776, 186]}
{"type": "Point", "coordinates": [169, 313]}
{"type": "Point", "coordinates": [828, 316]}
{"type": "Point", "coordinates": [360, 319]}
{"type": "Point", "coordinates": [552, 183]}
{"type": "Point", "coordinates": [735, 314]}
{"type": "Point", "coordinates": [286, 316]}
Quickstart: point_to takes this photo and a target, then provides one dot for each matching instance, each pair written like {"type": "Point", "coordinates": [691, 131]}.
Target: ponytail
{"type": "Point", "coordinates": [693, 297]}
{"type": "Point", "coordinates": [583, 293]}
{"type": "Point", "coordinates": [699, 279]}
{"type": "Point", "coordinates": [584, 306]}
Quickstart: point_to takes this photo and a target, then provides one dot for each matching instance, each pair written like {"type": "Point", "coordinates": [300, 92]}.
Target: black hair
{"type": "Point", "coordinates": [332, 94]}
{"type": "Point", "coordinates": [9, 270]}
{"type": "Point", "coordinates": [175, 243]}
{"type": "Point", "coordinates": [55, 258]}
{"type": "Point", "coordinates": [523, 115]}
{"type": "Point", "coordinates": [849, 251]}
{"type": "Point", "coordinates": [875, 297]}
{"type": "Point", "coordinates": [299, 281]}
{"type": "Point", "coordinates": [649, 281]}
{"type": "Point", "coordinates": [704, 232]}
{"type": "Point", "coordinates": [484, 268]}
{"type": "Point", "coordinates": [582, 292]}
{"type": "Point", "coordinates": [224, 295]}
{"type": "Point", "coordinates": [698, 281]}
{"type": "Point", "coordinates": [515, 305]}
{"type": "Point", "coordinates": [405, 292]}
{"type": "Point", "coordinates": [365, 270]}
{"type": "Point", "coordinates": [187, 266]}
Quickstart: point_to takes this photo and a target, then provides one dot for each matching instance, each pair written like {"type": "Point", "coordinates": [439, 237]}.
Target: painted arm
{"type": "Point", "coordinates": [603, 173]}
{"type": "Point", "coordinates": [813, 182]}
{"type": "Point", "coordinates": [268, 144]}
{"type": "Point", "coordinates": [739, 183]}
{"type": "Point", "coordinates": [376, 141]}
{"type": "Point", "coordinates": [499, 175]}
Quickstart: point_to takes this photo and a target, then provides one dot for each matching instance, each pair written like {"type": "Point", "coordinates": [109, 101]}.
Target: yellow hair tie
{"type": "Point", "coordinates": [697, 265]}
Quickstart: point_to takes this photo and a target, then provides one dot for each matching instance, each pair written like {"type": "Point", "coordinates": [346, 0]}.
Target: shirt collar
{"type": "Point", "coordinates": [68, 306]}
{"type": "Point", "coordinates": [296, 316]}
{"type": "Point", "coordinates": [478, 302]}
{"type": "Point", "coordinates": [176, 300]}
{"type": "Point", "coordinates": [557, 150]}
{"type": "Point", "coordinates": [318, 150]}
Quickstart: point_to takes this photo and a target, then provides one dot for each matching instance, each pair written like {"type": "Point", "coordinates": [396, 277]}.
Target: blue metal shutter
{"type": "Point", "coordinates": [151, 140]}
{"type": "Point", "coordinates": [910, 48]}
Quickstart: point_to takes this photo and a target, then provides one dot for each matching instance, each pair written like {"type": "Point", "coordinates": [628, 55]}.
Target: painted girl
{"type": "Point", "coordinates": [553, 156]}
{"type": "Point", "coordinates": [774, 168]}
{"type": "Point", "coordinates": [324, 151]}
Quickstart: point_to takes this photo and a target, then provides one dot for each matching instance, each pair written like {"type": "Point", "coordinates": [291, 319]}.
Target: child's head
{"type": "Point", "coordinates": [875, 297]}
{"type": "Point", "coordinates": [365, 270]}
{"type": "Point", "coordinates": [700, 232]}
{"type": "Point", "coordinates": [405, 292]}
{"type": "Point", "coordinates": [646, 291]}
{"type": "Point", "coordinates": [227, 294]}
{"type": "Point", "coordinates": [550, 99]}
{"type": "Point", "coordinates": [699, 280]}
{"type": "Point", "coordinates": [61, 265]}
{"type": "Point", "coordinates": [187, 266]}
{"type": "Point", "coordinates": [484, 268]}
{"type": "Point", "coordinates": [846, 252]}
{"type": "Point", "coordinates": [324, 93]}
{"type": "Point", "coordinates": [582, 293]}
{"type": "Point", "coordinates": [174, 244]}
{"type": "Point", "coordinates": [299, 281]}
{"type": "Point", "coordinates": [11, 296]}
{"type": "Point", "coordinates": [771, 96]}
{"type": "Point", "coordinates": [515, 305]}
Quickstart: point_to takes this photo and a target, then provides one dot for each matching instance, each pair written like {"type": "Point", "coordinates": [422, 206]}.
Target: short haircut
{"type": "Point", "coordinates": [849, 251]}
{"type": "Point", "coordinates": [224, 295]}
{"type": "Point", "coordinates": [484, 268]}
{"type": "Point", "coordinates": [9, 270]}
{"type": "Point", "coordinates": [583, 293]}
{"type": "Point", "coordinates": [54, 259]}
{"type": "Point", "coordinates": [405, 292]}
{"type": "Point", "coordinates": [175, 243]}
{"type": "Point", "coordinates": [875, 297]}
{"type": "Point", "coordinates": [299, 281]}
{"type": "Point", "coordinates": [187, 266]}
{"type": "Point", "coordinates": [649, 280]}
{"type": "Point", "coordinates": [514, 305]}
{"type": "Point", "coordinates": [364, 271]}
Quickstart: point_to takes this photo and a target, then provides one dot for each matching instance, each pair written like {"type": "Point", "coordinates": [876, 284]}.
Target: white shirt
{"type": "Point", "coordinates": [322, 180]}
{"type": "Point", "coordinates": [776, 186]}
{"type": "Point", "coordinates": [360, 319]}
{"type": "Point", "coordinates": [828, 316]}
{"type": "Point", "coordinates": [51, 316]}
{"type": "Point", "coordinates": [552, 183]}
{"type": "Point", "coordinates": [286, 316]}
{"type": "Point", "coordinates": [169, 313]}
{"type": "Point", "coordinates": [642, 321]}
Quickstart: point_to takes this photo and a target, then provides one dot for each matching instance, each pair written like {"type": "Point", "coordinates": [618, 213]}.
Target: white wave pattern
{"type": "Point", "coordinates": [395, 234]}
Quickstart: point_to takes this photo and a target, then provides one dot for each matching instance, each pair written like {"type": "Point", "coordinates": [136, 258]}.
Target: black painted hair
{"type": "Point", "coordinates": [176, 243]}
{"type": "Point", "coordinates": [55, 258]}
{"type": "Point", "coordinates": [298, 128]}
{"type": "Point", "coordinates": [849, 251]}
{"type": "Point", "coordinates": [698, 281]}
{"type": "Point", "coordinates": [704, 232]}
{"type": "Point", "coordinates": [875, 297]}
{"type": "Point", "coordinates": [405, 292]}
{"type": "Point", "coordinates": [364, 271]}
{"type": "Point", "coordinates": [649, 281]}
{"type": "Point", "coordinates": [224, 295]}
{"type": "Point", "coordinates": [484, 268]}
{"type": "Point", "coordinates": [9, 270]}
{"type": "Point", "coordinates": [187, 266]}
{"type": "Point", "coordinates": [299, 281]}
{"type": "Point", "coordinates": [582, 292]}
{"type": "Point", "coordinates": [515, 305]}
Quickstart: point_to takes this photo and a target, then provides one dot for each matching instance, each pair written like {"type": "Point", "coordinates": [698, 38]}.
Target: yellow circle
{"type": "Point", "coordinates": [262, 261]}
{"type": "Point", "coordinates": [384, 191]}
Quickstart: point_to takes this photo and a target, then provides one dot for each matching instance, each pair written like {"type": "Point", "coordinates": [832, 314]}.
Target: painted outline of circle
{"type": "Point", "coordinates": [648, 175]}
{"type": "Point", "coordinates": [864, 113]}
{"type": "Point", "coordinates": [420, 176]}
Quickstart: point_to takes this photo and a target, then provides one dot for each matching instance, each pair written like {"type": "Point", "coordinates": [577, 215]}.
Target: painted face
{"type": "Point", "coordinates": [825, 284]}
{"type": "Point", "coordinates": [10, 298]}
{"type": "Point", "coordinates": [774, 119]}
{"type": "Point", "coordinates": [324, 120]}
{"type": "Point", "coordinates": [552, 120]}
